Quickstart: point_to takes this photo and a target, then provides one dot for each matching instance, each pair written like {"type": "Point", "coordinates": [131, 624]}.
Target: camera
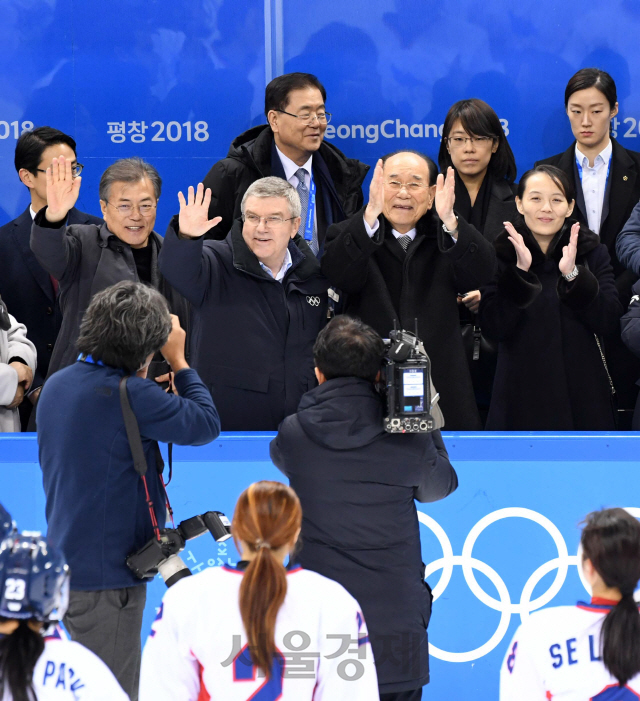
{"type": "Point", "coordinates": [162, 555]}
{"type": "Point", "coordinates": [411, 400]}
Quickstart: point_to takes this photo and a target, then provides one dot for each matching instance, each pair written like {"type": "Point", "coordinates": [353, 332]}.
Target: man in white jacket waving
{"type": "Point", "coordinates": [17, 365]}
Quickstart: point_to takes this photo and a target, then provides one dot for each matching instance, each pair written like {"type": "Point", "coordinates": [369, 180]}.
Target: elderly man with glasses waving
{"type": "Point", "coordinates": [291, 146]}
{"type": "Point", "coordinates": [87, 258]}
{"type": "Point", "coordinates": [396, 260]}
{"type": "Point", "coordinates": [258, 302]}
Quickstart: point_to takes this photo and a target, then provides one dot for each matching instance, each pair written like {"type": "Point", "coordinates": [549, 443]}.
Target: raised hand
{"type": "Point", "coordinates": [446, 198]}
{"type": "Point", "coordinates": [522, 252]}
{"type": "Point", "coordinates": [62, 189]}
{"type": "Point", "coordinates": [194, 212]}
{"type": "Point", "coordinates": [376, 196]}
{"type": "Point", "coordinates": [568, 260]}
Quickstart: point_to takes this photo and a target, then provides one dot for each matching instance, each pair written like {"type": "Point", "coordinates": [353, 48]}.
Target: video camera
{"type": "Point", "coordinates": [162, 555]}
{"type": "Point", "coordinates": [411, 400]}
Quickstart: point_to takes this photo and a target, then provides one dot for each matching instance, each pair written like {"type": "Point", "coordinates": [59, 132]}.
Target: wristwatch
{"type": "Point", "coordinates": [572, 275]}
{"type": "Point", "coordinates": [449, 231]}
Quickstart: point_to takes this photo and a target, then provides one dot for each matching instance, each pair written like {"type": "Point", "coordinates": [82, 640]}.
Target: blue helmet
{"type": "Point", "coordinates": [34, 579]}
{"type": "Point", "coordinates": [7, 526]}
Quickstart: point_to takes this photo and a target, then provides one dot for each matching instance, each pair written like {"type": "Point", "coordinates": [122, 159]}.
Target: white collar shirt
{"type": "Point", "coordinates": [594, 183]}
{"type": "Point", "coordinates": [286, 264]}
{"type": "Point", "coordinates": [290, 169]}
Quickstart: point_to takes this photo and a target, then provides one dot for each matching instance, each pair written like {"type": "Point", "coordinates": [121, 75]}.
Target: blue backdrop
{"type": "Point", "coordinates": [504, 544]}
{"type": "Point", "coordinates": [175, 82]}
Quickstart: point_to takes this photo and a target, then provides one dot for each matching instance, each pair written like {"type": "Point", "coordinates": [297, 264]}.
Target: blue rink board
{"type": "Point", "coordinates": [522, 495]}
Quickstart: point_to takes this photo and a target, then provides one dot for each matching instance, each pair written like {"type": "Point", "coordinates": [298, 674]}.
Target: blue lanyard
{"type": "Point", "coordinates": [311, 209]}
{"type": "Point", "coordinates": [89, 359]}
{"type": "Point", "coordinates": [579, 165]}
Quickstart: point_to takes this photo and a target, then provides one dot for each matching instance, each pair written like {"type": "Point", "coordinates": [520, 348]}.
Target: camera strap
{"type": "Point", "coordinates": [139, 459]}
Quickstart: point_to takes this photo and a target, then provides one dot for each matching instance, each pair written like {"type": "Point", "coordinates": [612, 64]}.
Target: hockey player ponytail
{"type": "Point", "coordinates": [611, 540]}
{"type": "Point", "coordinates": [267, 518]}
{"type": "Point", "coordinates": [19, 652]}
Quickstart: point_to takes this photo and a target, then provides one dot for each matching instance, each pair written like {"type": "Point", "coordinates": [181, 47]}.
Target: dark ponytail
{"type": "Point", "coordinates": [19, 653]}
{"type": "Point", "coordinates": [611, 540]}
{"type": "Point", "coordinates": [267, 517]}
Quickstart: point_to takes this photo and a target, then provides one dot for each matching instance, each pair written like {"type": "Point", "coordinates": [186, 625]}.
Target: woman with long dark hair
{"type": "Point", "coordinates": [606, 179]}
{"type": "Point", "coordinates": [258, 630]}
{"type": "Point", "coordinates": [551, 298]}
{"type": "Point", "coordinates": [36, 662]}
{"type": "Point", "coordinates": [592, 650]}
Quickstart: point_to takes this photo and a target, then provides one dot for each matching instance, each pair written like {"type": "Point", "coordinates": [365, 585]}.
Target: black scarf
{"type": "Point", "coordinates": [475, 215]}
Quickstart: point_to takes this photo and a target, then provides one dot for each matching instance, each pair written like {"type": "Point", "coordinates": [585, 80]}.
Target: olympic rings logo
{"type": "Point", "coordinates": [313, 301]}
{"type": "Point", "coordinates": [504, 605]}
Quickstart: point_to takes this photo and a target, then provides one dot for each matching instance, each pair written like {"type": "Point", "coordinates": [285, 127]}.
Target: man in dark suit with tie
{"type": "Point", "coordinates": [28, 290]}
{"type": "Point", "coordinates": [290, 146]}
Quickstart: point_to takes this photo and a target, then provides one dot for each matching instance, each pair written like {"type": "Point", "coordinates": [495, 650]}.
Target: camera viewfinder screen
{"type": "Point", "coordinates": [412, 391]}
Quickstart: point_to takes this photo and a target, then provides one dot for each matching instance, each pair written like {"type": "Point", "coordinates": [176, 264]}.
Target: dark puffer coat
{"type": "Point", "coordinates": [253, 155]}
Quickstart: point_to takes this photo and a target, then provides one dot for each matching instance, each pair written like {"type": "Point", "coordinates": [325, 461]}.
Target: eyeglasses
{"type": "Point", "coordinates": [126, 209]}
{"type": "Point", "coordinates": [307, 117]}
{"type": "Point", "coordinates": [413, 187]}
{"type": "Point", "coordinates": [269, 222]}
{"type": "Point", "coordinates": [75, 170]}
{"type": "Point", "coordinates": [460, 141]}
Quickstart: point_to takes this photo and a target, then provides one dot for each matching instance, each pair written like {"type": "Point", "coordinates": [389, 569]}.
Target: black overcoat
{"type": "Point", "coordinates": [383, 284]}
{"type": "Point", "coordinates": [357, 486]}
{"type": "Point", "coordinates": [621, 195]}
{"type": "Point", "coordinates": [550, 375]}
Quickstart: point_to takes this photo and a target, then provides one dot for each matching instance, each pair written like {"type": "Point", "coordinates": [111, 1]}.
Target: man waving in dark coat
{"type": "Point", "coordinates": [259, 301]}
{"type": "Point", "coordinates": [357, 486]}
{"type": "Point", "coordinates": [329, 184]}
{"type": "Point", "coordinates": [395, 260]}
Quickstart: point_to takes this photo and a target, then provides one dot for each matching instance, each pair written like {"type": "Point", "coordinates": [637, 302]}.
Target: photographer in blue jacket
{"type": "Point", "coordinates": [97, 505]}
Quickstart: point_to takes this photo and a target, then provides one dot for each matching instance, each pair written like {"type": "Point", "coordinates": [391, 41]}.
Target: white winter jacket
{"type": "Point", "coordinates": [13, 344]}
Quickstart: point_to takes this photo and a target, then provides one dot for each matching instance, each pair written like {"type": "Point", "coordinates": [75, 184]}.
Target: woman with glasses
{"type": "Point", "coordinates": [259, 630]}
{"type": "Point", "coordinates": [590, 650]}
{"type": "Point", "coordinates": [606, 178]}
{"type": "Point", "coordinates": [475, 145]}
{"type": "Point", "coordinates": [552, 297]}
{"type": "Point", "coordinates": [88, 258]}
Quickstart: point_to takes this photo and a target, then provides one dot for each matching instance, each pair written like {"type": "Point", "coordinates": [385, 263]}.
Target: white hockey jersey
{"type": "Point", "coordinates": [197, 649]}
{"type": "Point", "coordinates": [555, 655]}
{"type": "Point", "coordinates": [67, 671]}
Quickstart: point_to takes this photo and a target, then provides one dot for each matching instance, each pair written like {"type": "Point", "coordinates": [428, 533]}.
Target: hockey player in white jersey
{"type": "Point", "coordinates": [36, 660]}
{"type": "Point", "coordinates": [257, 631]}
{"type": "Point", "coordinates": [588, 652]}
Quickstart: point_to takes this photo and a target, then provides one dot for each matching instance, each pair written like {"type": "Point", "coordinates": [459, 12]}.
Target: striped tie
{"type": "Point", "coordinates": [303, 192]}
{"type": "Point", "coordinates": [404, 241]}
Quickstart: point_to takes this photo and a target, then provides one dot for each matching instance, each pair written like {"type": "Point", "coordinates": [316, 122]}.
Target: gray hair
{"type": "Point", "coordinates": [274, 187]}
{"type": "Point", "coordinates": [124, 325]}
{"type": "Point", "coordinates": [129, 170]}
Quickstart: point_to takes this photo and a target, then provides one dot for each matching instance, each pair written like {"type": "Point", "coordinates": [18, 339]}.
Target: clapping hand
{"type": "Point", "coordinates": [446, 198]}
{"type": "Point", "coordinates": [376, 196]}
{"type": "Point", "coordinates": [568, 260]}
{"type": "Point", "coordinates": [194, 219]}
{"type": "Point", "coordinates": [523, 254]}
{"type": "Point", "coordinates": [62, 189]}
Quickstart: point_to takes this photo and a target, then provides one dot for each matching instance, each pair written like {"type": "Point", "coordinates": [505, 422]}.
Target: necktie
{"type": "Point", "coordinates": [404, 241]}
{"type": "Point", "coordinates": [303, 191]}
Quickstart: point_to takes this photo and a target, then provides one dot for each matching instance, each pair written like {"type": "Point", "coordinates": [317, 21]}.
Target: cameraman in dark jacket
{"type": "Point", "coordinates": [357, 485]}
{"type": "Point", "coordinates": [97, 505]}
